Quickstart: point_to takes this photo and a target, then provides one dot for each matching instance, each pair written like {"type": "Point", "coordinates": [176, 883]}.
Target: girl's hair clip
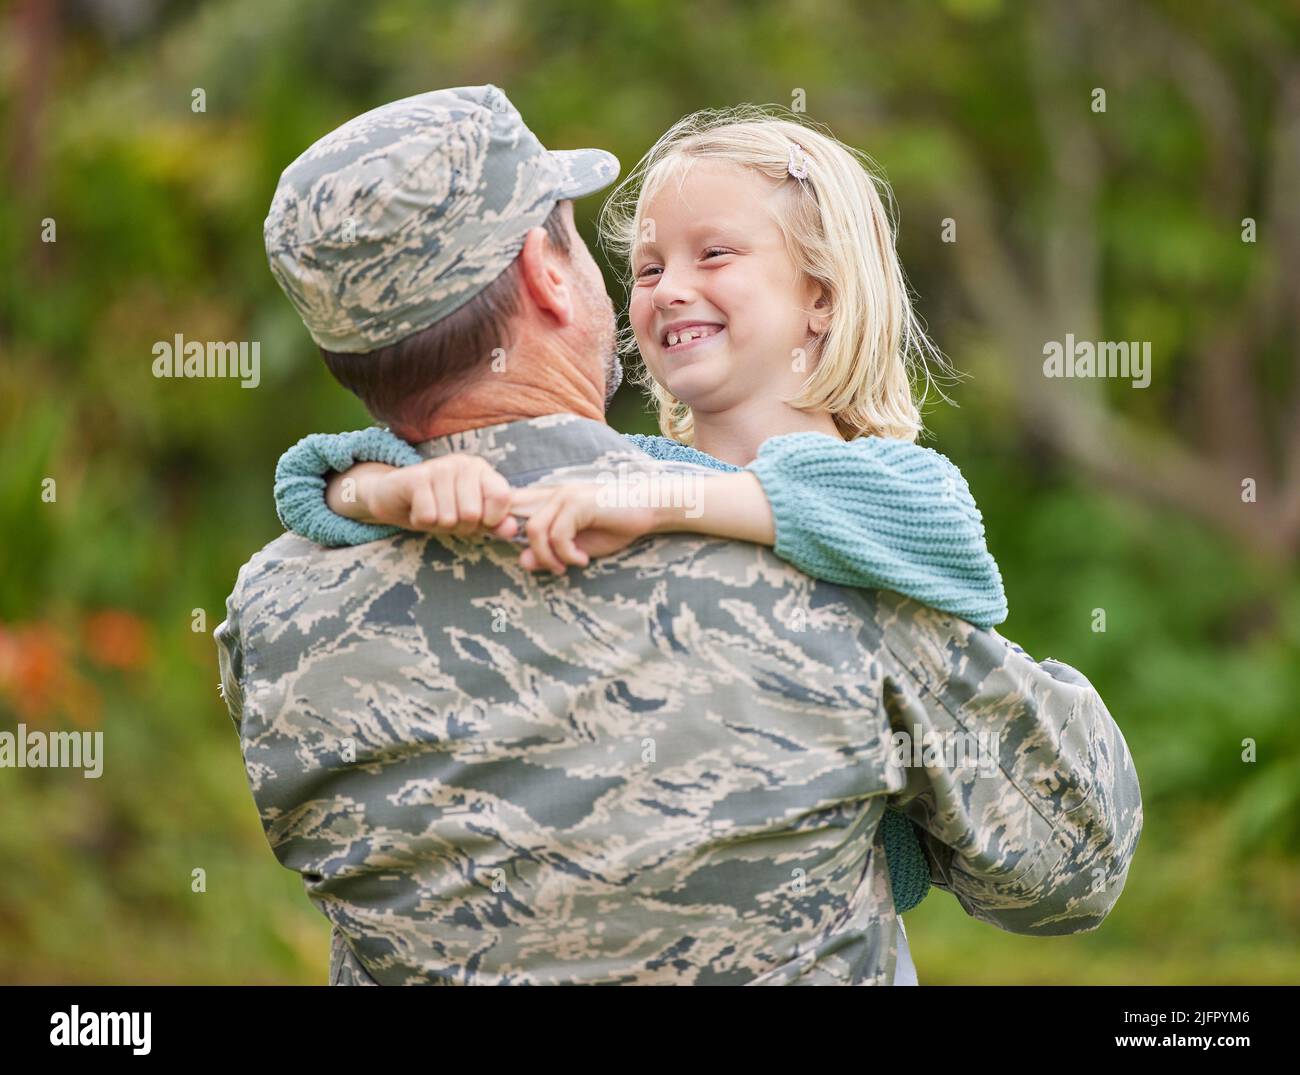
{"type": "Point", "coordinates": [798, 164]}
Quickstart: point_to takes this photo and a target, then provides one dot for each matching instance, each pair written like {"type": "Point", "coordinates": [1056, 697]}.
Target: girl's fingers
{"type": "Point", "coordinates": [469, 502]}
{"type": "Point", "coordinates": [444, 492]}
{"type": "Point", "coordinates": [538, 531]}
{"type": "Point", "coordinates": [506, 528]}
{"type": "Point", "coordinates": [496, 498]}
{"type": "Point", "coordinates": [424, 509]}
{"type": "Point", "coordinates": [563, 530]}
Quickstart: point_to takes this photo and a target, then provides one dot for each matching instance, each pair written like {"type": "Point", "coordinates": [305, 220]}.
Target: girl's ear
{"type": "Point", "coordinates": [820, 319]}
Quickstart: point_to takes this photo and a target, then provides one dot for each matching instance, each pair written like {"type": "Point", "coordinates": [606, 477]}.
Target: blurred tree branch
{"type": "Point", "coordinates": [1199, 470]}
{"type": "Point", "coordinates": [34, 26]}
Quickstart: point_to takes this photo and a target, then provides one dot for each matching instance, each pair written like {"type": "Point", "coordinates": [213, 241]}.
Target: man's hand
{"type": "Point", "coordinates": [569, 524]}
{"type": "Point", "coordinates": [452, 494]}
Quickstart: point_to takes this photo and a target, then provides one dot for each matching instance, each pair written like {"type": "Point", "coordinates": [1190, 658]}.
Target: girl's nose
{"type": "Point", "coordinates": [671, 289]}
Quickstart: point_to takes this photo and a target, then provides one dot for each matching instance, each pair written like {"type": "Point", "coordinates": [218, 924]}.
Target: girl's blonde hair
{"type": "Point", "coordinates": [837, 232]}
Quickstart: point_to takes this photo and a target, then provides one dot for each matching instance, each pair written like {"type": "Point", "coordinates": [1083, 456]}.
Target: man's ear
{"type": "Point", "coordinates": [543, 281]}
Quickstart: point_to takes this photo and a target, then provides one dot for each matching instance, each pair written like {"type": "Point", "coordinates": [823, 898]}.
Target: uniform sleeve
{"type": "Point", "coordinates": [1023, 786]}
{"type": "Point", "coordinates": [300, 483]}
{"type": "Point", "coordinates": [345, 967]}
{"type": "Point", "coordinates": [879, 513]}
{"type": "Point", "coordinates": [230, 661]}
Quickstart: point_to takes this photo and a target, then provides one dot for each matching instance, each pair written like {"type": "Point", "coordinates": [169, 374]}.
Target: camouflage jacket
{"type": "Point", "coordinates": [667, 767]}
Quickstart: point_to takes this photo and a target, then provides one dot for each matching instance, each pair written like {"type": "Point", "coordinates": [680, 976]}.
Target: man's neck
{"type": "Point", "coordinates": [532, 384]}
{"type": "Point", "coordinates": [734, 436]}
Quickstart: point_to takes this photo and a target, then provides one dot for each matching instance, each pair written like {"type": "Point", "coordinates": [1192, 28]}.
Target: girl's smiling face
{"type": "Point", "coordinates": [718, 306]}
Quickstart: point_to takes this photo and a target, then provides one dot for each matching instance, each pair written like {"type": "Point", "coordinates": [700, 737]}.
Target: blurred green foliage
{"type": "Point", "coordinates": [164, 487]}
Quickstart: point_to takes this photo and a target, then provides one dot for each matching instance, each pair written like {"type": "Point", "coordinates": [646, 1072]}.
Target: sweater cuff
{"type": "Point", "coordinates": [766, 466]}
{"type": "Point", "coordinates": [300, 483]}
{"type": "Point", "coordinates": [300, 504]}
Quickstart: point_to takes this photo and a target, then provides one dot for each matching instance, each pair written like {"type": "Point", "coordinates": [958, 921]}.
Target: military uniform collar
{"type": "Point", "coordinates": [527, 449]}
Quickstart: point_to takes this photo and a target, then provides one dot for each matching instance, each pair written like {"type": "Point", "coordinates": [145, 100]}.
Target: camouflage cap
{"type": "Point", "coordinates": [403, 214]}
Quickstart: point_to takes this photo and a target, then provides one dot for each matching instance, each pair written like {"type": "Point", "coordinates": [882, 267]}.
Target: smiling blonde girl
{"type": "Point", "coordinates": [758, 178]}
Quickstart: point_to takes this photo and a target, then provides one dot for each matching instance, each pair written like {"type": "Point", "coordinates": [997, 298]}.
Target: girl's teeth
{"type": "Point", "coordinates": [672, 339]}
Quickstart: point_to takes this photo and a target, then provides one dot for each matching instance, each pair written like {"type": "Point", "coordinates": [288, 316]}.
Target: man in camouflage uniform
{"type": "Point", "coordinates": [667, 767]}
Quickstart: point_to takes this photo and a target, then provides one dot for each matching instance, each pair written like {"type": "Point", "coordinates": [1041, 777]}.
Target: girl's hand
{"type": "Point", "coordinates": [452, 494]}
{"type": "Point", "coordinates": [569, 524]}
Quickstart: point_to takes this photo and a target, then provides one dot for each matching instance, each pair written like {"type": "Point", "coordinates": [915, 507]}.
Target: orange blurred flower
{"type": "Point", "coordinates": [117, 639]}
{"type": "Point", "coordinates": [35, 673]}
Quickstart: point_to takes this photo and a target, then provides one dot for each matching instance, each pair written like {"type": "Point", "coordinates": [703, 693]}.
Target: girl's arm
{"type": "Point", "coordinates": [455, 493]}
{"type": "Point", "coordinates": [873, 513]}
{"type": "Point", "coordinates": [323, 483]}
{"type": "Point", "coordinates": [870, 513]}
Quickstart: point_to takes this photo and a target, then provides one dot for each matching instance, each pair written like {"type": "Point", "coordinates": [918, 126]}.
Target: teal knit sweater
{"type": "Point", "coordinates": [874, 513]}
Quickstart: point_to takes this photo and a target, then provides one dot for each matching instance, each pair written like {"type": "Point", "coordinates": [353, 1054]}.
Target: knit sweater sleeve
{"type": "Point", "coordinates": [881, 513]}
{"type": "Point", "coordinates": [300, 482]}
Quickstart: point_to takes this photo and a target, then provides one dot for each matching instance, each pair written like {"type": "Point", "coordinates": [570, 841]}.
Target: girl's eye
{"type": "Point", "coordinates": [645, 271]}
{"type": "Point", "coordinates": [716, 251]}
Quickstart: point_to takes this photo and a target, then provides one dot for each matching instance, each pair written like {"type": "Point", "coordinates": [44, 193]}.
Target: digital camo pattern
{"type": "Point", "coordinates": [401, 215]}
{"type": "Point", "coordinates": [667, 767]}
